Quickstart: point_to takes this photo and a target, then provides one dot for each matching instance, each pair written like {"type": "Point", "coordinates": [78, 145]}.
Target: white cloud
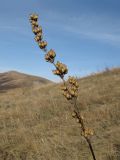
{"type": "Point", "coordinates": [98, 27]}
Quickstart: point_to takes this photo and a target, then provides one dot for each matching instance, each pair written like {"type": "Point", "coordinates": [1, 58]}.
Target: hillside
{"type": "Point", "coordinates": [36, 123]}
{"type": "Point", "coordinates": [13, 79]}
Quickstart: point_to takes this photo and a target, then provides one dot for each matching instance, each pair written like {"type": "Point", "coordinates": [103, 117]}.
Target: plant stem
{"type": "Point", "coordinates": [83, 128]}
{"type": "Point", "coordinates": [73, 101]}
{"type": "Point", "coordinates": [91, 148]}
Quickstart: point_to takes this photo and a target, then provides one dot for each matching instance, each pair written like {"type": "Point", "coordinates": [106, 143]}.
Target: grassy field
{"type": "Point", "coordinates": [36, 122]}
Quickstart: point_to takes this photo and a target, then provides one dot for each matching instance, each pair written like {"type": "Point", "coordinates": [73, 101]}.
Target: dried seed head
{"type": "Point", "coordinates": [82, 117]}
{"type": "Point", "coordinates": [38, 37]}
{"type": "Point", "coordinates": [65, 94]}
{"type": "Point", "coordinates": [37, 30]}
{"type": "Point", "coordinates": [77, 120]}
{"type": "Point", "coordinates": [68, 96]}
{"type": "Point", "coordinates": [39, 34]}
{"type": "Point", "coordinates": [50, 56]}
{"type": "Point", "coordinates": [52, 53]}
{"type": "Point", "coordinates": [56, 72]}
{"type": "Point", "coordinates": [76, 84]}
{"type": "Point", "coordinates": [74, 115]}
{"type": "Point", "coordinates": [91, 132]}
{"type": "Point", "coordinates": [87, 132]}
{"type": "Point", "coordinates": [34, 23]}
{"type": "Point", "coordinates": [62, 68]}
{"type": "Point", "coordinates": [72, 92]}
{"type": "Point", "coordinates": [72, 80]}
{"type": "Point", "coordinates": [73, 86]}
{"type": "Point", "coordinates": [34, 17]}
{"type": "Point", "coordinates": [47, 58]}
{"type": "Point", "coordinates": [34, 30]}
{"type": "Point", "coordinates": [42, 44]}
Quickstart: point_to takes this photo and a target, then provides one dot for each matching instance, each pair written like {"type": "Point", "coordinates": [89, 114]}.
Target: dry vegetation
{"type": "Point", "coordinates": [36, 122]}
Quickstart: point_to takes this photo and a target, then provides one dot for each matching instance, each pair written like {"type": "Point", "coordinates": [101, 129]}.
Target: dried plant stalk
{"type": "Point", "coordinates": [70, 86]}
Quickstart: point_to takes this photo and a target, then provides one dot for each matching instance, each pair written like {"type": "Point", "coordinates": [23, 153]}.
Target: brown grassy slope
{"type": "Point", "coordinates": [36, 124]}
{"type": "Point", "coordinates": [13, 79]}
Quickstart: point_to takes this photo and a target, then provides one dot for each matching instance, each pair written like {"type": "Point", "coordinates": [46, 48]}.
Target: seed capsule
{"type": "Point", "coordinates": [34, 31]}
{"type": "Point", "coordinates": [34, 17]}
{"type": "Point", "coordinates": [56, 72]}
{"type": "Point", "coordinates": [73, 114]}
{"type": "Point", "coordinates": [72, 92]}
{"type": "Point", "coordinates": [47, 58]}
{"type": "Point", "coordinates": [37, 30]}
{"type": "Point", "coordinates": [50, 56]}
{"type": "Point", "coordinates": [65, 94]}
{"type": "Point", "coordinates": [62, 68]}
{"type": "Point", "coordinates": [76, 84]}
{"type": "Point", "coordinates": [68, 96]}
{"type": "Point", "coordinates": [78, 120]}
{"type": "Point", "coordinates": [38, 38]}
{"type": "Point", "coordinates": [34, 23]}
{"type": "Point", "coordinates": [42, 44]}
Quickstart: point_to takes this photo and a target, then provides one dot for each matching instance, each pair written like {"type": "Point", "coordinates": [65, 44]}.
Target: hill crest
{"type": "Point", "coordinates": [14, 79]}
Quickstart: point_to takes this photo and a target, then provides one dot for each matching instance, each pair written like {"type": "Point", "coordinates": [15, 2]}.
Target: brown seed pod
{"type": "Point", "coordinates": [34, 17]}
{"type": "Point", "coordinates": [34, 23]}
{"type": "Point", "coordinates": [65, 93]}
{"type": "Point", "coordinates": [56, 72]}
{"type": "Point", "coordinates": [72, 92]}
{"type": "Point", "coordinates": [72, 80]}
{"type": "Point", "coordinates": [39, 34]}
{"type": "Point", "coordinates": [37, 30]}
{"type": "Point", "coordinates": [47, 58]}
{"type": "Point", "coordinates": [50, 56]}
{"type": "Point", "coordinates": [73, 114]}
{"type": "Point", "coordinates": [62, 68]}
{"type": "Point", "coordinates": [34, 30]}
{"type": "Point", "coordinates": [91, 132]}
{"type": "Point", "coordinates": [76, 84]}
{"type": "Point", "coordinates": [38, 38]}
{"type": "Point", "coordinates": [78, 121]}
{"type": "Point", "coordinates": [42, 44]}
{"type": "Point", "coordinates": [52, 53]}
{"type": "Point", "coordinates": [68, 96]}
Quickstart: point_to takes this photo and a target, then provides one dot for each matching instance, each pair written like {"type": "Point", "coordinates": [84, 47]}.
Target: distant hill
{"type": "Point", "coordinates": [13, 79]}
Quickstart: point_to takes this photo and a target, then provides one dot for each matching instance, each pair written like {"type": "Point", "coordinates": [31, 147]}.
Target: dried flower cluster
{"type": "Point", "coordinates": [71, 91]}
{"type": "Point", "coordinates": [37, 30]}
{"type": "Point", "coordinates": [50, 56]}
{"type": "Point", "coordinates": [61, 69]}
{"type": "Point", "coordinates": [87, 132]}
{"type": "Point", "coordinates": [70, 87]}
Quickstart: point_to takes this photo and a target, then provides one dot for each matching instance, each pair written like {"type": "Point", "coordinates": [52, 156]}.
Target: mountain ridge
{"type": "Point", "coordinates": [15, 79]}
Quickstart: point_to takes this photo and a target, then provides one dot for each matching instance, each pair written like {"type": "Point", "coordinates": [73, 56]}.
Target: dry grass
{"type": "Point", "coordinates": [36, 123]}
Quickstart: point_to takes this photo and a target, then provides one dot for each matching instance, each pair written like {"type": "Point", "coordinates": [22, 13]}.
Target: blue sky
{"type": "Point", "coordinates": [84, 33]}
